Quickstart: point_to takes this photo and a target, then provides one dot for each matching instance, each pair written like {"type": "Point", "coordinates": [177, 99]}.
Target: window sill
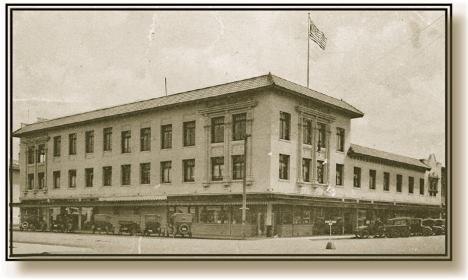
{"type": "Point", "coordinates": [188, 182]}
{"type": "Point", "coordinates": [285, 140]}
{"type": "Point", "coordinates": [166, 149]}
{"type": "Point", "coordinates": [340, 152]}
{"type": "Point", "coordinates": [189, 146]}
{"type": "Point", "coordinates": [284, 180]}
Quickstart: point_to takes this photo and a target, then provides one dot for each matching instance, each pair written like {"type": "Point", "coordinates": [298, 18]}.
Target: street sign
{"type": "Point", "coordinates": [330, 222]}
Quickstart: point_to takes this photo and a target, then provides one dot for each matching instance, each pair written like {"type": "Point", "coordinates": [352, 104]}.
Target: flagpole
{"type": "Point", "coordinates": [308, 47]}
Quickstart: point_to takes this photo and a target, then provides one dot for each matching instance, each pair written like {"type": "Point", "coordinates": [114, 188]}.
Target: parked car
{"type": "Point", "coordinates": [418, 228]}
{"type": "Point", "coordinates": [373, 229]}
{"type": "Point", "coordinates": [398, 227]}
{"type": "Point", "coordinates": [102, 223]}
{"type": "Point", "coordinates": [33, 223]}
{"type": "Point", "coordinates": [181, 224]}
{"type": "Point", "coordinates": [437, 225]}
{"type": "Point", "coordinates": [152, 228]}
{"type": "Point", "coordinates": [129, 227]}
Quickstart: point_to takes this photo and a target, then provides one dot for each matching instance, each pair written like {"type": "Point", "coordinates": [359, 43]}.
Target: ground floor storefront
{"type": "Point", "coordinates": [220, 216]}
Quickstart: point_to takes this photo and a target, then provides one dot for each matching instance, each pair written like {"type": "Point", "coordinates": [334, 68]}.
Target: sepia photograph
{"type": "Point", "coordinates": [228, 132]}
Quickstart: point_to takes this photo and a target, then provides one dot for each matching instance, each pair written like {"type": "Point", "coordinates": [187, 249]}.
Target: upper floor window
{"type": "Point", "coordinates": [107, 175]}
{"type": "Point", "coordinates": [89, 177]}
{"type": "Point", "coordinates": [320, 172]}
{"type": "Point", "coordinates": [31, 155]}
{"type": "Point", "coordinates": [239, 126]}
{"type": "Point", "coordinates": [399, 182]}
{"type": "Point", "coordinates": [145, 139]}
{"type": "Point", "coordinates": [307, 132]}
{"type": "Point", "coordinates": [107, 139]}
{"type": "Point", "coordinates": [217, 130]}
{"type": "Point", "coordinates": [386, 181]}
{"type": "Point", "coordinates": [285, 125]}
{"type": "Point", "coordinates": [56, 177]}
{"type": "Point", "coordinates": [41, 153]}
{"type": "Point", "coordinates": [72, 144]}
{"type": "Point", "coordinates": [339, 174]}
{"type": "Point", "coordinates": [166, 171]}
{"type": "Point", "coordinates": [125, 176]}
{"type": "Point", "coordinates": [57, 145]}
{"type": "Point", "coordinates": [189, 170]}
{"type": "Point", "coordinates": [357, 177]}
{"type": "Point", "coordinates": [238, 167]}
{"type": "Point", "coordinates": [322, 136]}
{"type": "Point", "coordinates": [410, 184]}
{"type": "Point", "coordinates": [372, 179]}
{"type": "Point", "coordinates": [30, 181]}
{"type": "Point", "coordinates": [340, 139]}
{"type": "Point", "coordinates": [89, 141]}
{"type": "Point", "coordinates": [125, 141]}
{"type": "Point", "coordinates": [145, 173]}
{"type": "Point", "coordinates": [72, 178]}
{"type": "Point", "coordinates": [41, 180]}
{"type": "Point", "coordinates": [306, 169]}
{"type": "Point", "coordinates": [189, 133]}
{"type": "Point", "coordinates": [284, 167]}
{"type": "Point", "coordinates": [166, 136]}
{"type": "Point", "coordinates": [421, 186]}
{"type": "Point", "coordinates": [217, 168]}
{"type": "Point", "coordinates": [433, 186]}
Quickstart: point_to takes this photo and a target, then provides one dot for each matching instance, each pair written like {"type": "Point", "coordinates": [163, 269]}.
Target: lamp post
{"type": "Point", "coordinates": [244, 186]}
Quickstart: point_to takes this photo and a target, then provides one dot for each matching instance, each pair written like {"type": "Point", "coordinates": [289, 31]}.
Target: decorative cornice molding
{"type": "Point", "coordinates": [315, 113]}
{"type": "Point", "coordinates": [228, 107]}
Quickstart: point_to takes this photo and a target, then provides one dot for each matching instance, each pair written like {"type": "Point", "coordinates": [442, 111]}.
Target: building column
{"type": "Point", "coordinates": [314, 150]}
{"type": "Point", "coordinates": [227, 148]}
{"type": "Point", "coordinates": [327, 166]}
{"type": "Point", "coordinates": [79, 218]}
{"type": "Point", "coordinates": [300, 142]}
{"type": "Point", "coordinates": [207, 128]}
{"type": "Point", "coordinates": [249, 131]}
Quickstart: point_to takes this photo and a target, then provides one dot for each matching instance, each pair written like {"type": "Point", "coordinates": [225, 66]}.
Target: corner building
{"type": "Point", "coordinates": [185, 153]}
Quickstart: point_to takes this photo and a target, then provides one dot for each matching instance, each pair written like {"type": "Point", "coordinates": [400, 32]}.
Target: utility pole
{"type": "Point", "coordinates": [244, 186]}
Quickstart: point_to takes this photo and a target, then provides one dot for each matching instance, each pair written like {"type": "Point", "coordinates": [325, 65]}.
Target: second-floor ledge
{"type": "Point", "coordinates": [227, 183]}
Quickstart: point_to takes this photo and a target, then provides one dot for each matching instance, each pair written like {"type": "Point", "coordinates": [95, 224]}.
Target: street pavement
{"type": "Point", "coordinates": [63, 243]}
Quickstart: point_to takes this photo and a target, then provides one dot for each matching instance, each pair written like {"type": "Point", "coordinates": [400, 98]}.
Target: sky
{"type": "Point", "coordinates": [388, 64]}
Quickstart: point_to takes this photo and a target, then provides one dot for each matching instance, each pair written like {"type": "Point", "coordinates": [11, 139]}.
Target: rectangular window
{"type": "Point", "coordinates": [107, 175]}
{"type": "Point", "coordinates": [41, 153]}
{"type": "Point", "coordinates": [107, 139]}
{"type": "Point", "coordinates": [339, 174]}
{"type": "Point", "coordinates": [284, 167]}
{"type": "Point", "coordinates": [217, 130]}
{"type": "Point", "coordinates": [322, 137]}
{"type": "Point", "coordinates": [189, 170]}
{"type": "Point", "coordinates": [285, 125]}
{"type": "Point", "coordinates": [239, 126]}
{"type": "Point", "coordinates": [357, 177]}
{"type": "Point", "coordinates": [125, 141]}
{"type": "Point", "coordinates": [41, 180]}
{"type": "Point", "coordinates": [166, 171]}
{"type": "Point", "coordinates": [217, 168]}
{"type": "Point", "coordinates": [189, 133]}
{"type": "Point", "coordinates": [31, 156]}
{"type": "Point", "coordinates": [89, 141]}
{"type": "Point", "coordinates": [410, 184]}
{"type": "Point", "coordinates": [372, 179]}
{"type": "Point", "coordinates": [72, 144]}
{"type": "Point", "coordinates": [421, 186]}
{"type": "Point", "coordinates": [433, 189]}
{"type": "Point", "coordinates": [238, 167]}
{"type": "Point", "coordinates": [89, 177]}
{"type": "Point", "coordinates": [386, 181]}
{"type": "Point", "coordinates": [57, 145]}
{"type": "Point", "coordinates": [306, 169]}
{"type": "Point", "coordinates": [145, 173]}
{"type": "Point", "coordinates": [320, 172]}
{"type": "Point", "coordinates": [72, 178]}
{"type": "Point", "coordinates": [399, 180]}
{"type": "Point", "coordinates": [56, 176]}
{"type": "Point", "coordinates": [166, 136]}
{"type": "Point", "coordinates": [145, 139]}
{"type": "Point", "coordinates": [307, 131]}
{"type": "Point", "coordinates": [125, 177]}
{"type": "Point", "coordinates": [30, 181]}
{"type": "Point", "coordinates": [340, 139]}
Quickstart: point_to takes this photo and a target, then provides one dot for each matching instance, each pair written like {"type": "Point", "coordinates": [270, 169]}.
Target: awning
{"type": "Point", "coordinates": [134, 198]}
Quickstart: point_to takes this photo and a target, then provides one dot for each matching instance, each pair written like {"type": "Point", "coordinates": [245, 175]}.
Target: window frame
{"type": "Point", "coordinates": [284, 165]}
{"type": "Point", "coordinates": [106, 169]}
{"type": "Point", "coordinates": [321, 135]}
{"type": "Point", "coordinates": [89, 141]}
{"type": "Point", "coordinates": [285, 126]}
{"type": "Point", "coordinates": [145, 173]}
{"type": "Point", "coordinates": [166, 136]}
{"type": "Point", "coordinates": [166, 165]}
{"type": "Point", "coordinates": [307, 130]}
{"type": "Point", "coordinates": [340, 139]}
{"type": "Point", "coordinates": [57, 145]}
{"type": "Point", "coordinates": [56, 176]}
{"type": "Point", "coordinates": [72, 149]}
{"type": "Point", "coordinates": [357, 177]}
{"type": "Point", "coordinates": [89, 181]}
{"type": "Point", "coordinates": [306, 168]}
{"type": "Point", "coordinates": [217, 164]}
{"type": "Point", "coordinates": [339, 167]}
{"type": "Point", "coordinates": [189, 133]}
{"type": "Point", "coordinates": [107, 139]}
{"type": "Point", "coordinates": [125, 169]}
{"type": "Point", "coordinates": [372, 179]}
{"type": "Point", "coordinates": [125, 141]}
{"type": "Point", "coordinates": [238, 162]}
{"type": "Point", "coordinates": [320, 172]}
{"type": "Point", "coordinates": [422, 186]}
{"type": "Point", "coordinates": [399, 183]}
{"type": "Point", "coordinates": [217, 129]}
{"type": "Point", "coordinates": [239, 126]}
{"type": "Point", "coordinates": [72, 178]}
{"type": "Point", "coordinates": [386, 181]}
{"type": "Point", "coordinates": [188, 166]}
{"type": "Point", "coordinates": [41, 183]}
{"type": "Point", "coordinates": [410, 184]}
{"type": "Point", "coordinates": [145, 139]}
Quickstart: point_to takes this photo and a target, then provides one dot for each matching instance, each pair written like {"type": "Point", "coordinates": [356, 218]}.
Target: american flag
{"type": "Point", "coordinates": [317, 36]}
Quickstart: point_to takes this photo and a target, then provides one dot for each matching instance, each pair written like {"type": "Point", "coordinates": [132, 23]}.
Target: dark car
{"type": "Point", "coordinates": [398, 227]}
{"type": "Point", "coordinates": [129, 227]}
{"type": "Point", "coordinates": [373, 229]}
{"type": "Point", "coordinates": [33, 224]}
{"type": "Point", "coordinates": [437, 225]}
{"type": "Point", "coordinates": [152, 228]}
{"type": "Point", "coordinates": [418, 228]}
{"type": "Point", "coordinates": [181, 224]}
{"type": "Point", "coordinates": [102, 227]}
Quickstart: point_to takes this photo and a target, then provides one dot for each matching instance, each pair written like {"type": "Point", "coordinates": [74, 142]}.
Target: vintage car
{"type": "Point", "coordinates": [418, 228]}
{"type": "Point", "coordinates": [33, 223]}
{"type": "Point", "coordinates": [181, 224]}
{"type": "Point", "coordinates": [437, 225]}
{"type": "Point", "coordinates": [129, 227]}
{"type": "Point", "coordinates": [398, 227]}
{"type": "Point", "coordinates": [102, 223]}
{"type": "Point", "coordinates": [373, 229]}
{"type": "Point", "coordinates": [152, 228]}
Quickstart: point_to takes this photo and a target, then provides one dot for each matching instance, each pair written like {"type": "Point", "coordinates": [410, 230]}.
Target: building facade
{"type": "Point", "coordinates": [185, 153]}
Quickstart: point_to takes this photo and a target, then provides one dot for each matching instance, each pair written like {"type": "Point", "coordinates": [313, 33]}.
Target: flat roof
{"type": "Point", "coordinates": [259, 82]}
